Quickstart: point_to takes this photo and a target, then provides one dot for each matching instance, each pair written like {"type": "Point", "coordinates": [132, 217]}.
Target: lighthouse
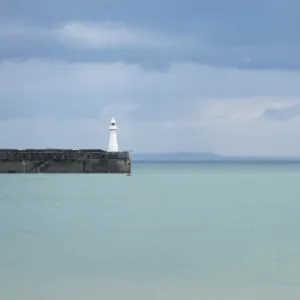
{"type": "Point", "coordinates": [113, 143]}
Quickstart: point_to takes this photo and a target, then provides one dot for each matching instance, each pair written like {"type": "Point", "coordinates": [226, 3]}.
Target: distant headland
{"type": "Point", "coordinates": [203, 156]}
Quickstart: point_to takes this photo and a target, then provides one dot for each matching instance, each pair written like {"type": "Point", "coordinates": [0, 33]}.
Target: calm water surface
{"type": "Point", "coordinates": [170, 231]}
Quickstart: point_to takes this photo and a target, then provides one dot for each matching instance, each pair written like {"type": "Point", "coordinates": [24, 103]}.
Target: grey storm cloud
{"type": "Point", "coordinates": [243, 34]}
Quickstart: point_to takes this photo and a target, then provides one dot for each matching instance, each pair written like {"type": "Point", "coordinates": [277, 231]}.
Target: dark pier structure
{"type": "Point", "coordinates": [64, 161]}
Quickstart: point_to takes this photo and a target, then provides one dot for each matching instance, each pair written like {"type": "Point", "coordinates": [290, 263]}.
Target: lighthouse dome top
{"type": "Point", "coordinates": [113, 121]}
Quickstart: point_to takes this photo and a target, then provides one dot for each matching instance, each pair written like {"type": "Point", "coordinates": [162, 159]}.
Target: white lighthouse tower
{"type": "Point", "coordinates": [113, 143]}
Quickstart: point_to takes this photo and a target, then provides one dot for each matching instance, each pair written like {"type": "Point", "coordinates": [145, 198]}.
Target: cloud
{"type": "Point", "coordinates": [111, 35]}
{"type": "Point", "coordinates": [188, 107]}
{"type": "Point", "coordinates": [250, 35]}
{"type": "Point", "coordinates": [81, 89]}
{"type": "Point", "coordinates": [92, 35]}
{"type": "Point", "coordinates": [11, 30]}
{"type": "Point", "coordinates": [284, 112]}
{"type": "Point", "coordinates": [212, 43]}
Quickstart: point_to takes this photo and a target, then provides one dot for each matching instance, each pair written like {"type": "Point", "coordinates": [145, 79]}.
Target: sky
{"type": "Point", "coordinates": [201, 76]}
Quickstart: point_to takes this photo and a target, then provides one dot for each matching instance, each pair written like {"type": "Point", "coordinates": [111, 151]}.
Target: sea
{"type": "Point", "coordinates": [178, 231]}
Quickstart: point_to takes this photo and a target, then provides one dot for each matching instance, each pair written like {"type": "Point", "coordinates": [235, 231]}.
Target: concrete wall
{"type": "Point", "coordinates": [118, 166]}
{"type": "Point", "coordinates": [112, 166]}
{"type": "Point", "coordinates": [91, 166]}
{"type": "Point", "coordinates": [18, 167]}
{"type": "Point", "coordinates": [97, 163]}
{"type": "Point", "coordinates": [63, 167]}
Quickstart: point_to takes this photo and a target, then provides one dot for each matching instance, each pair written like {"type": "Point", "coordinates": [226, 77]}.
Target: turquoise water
{"type": "Point", "coordinates": [170, 231]}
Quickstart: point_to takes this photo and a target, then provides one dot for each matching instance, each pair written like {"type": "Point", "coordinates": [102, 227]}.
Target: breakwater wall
{"type": "Point", "coordinates": [64, 161]}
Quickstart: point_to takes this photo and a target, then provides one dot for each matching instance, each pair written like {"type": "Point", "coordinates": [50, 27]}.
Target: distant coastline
{"type": "Point", "coordinates": [204, 157]}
